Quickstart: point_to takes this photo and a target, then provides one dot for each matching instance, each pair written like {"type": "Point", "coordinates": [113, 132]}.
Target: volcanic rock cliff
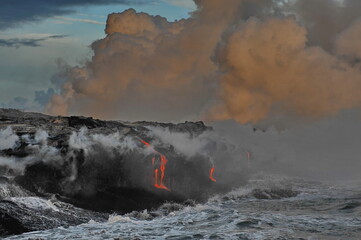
{"type": "Point", "coordinates": [102, 166]}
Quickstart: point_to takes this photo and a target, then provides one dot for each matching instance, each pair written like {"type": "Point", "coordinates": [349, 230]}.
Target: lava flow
{"type": "Point", "coordinates": [163, 162]}
{"type": "Point", "coordinates": [211, 174]}
{"type": "Point", "coordinates": [158, 180]}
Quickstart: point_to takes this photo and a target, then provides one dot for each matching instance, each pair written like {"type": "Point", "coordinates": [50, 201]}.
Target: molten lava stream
{"type": "Point", "coordinates": [156, 177]}
{"type": "Point", "coordinates": [144, 142]}
{"type": "Point", "coordinates": [163, 162]}
{"type": "Point", "coordinates": [211, 175]}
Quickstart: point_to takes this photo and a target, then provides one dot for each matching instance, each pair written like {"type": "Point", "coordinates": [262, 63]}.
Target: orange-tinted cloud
{"type": "Point", "coordinates": [242, 60]}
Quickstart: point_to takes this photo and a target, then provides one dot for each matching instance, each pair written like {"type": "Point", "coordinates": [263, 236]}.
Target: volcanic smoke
{"type": "Point", "coordinates": [247, 61]}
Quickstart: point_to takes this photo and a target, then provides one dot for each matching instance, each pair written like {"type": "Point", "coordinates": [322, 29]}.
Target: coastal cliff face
{"type": "Point", "coordinates": [97, 167]}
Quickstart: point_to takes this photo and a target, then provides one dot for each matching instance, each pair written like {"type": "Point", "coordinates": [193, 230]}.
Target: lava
{"type": "Point", "coordinates": [156, 177]}
{"type": "Point", "coordinates": [163, 162]}
{"type": "Point", "coordinates": [158, 181]}
{"type": "Point", "coordinates": [211, 174]}
{"type": "Point", "coordinates": [144, 142]}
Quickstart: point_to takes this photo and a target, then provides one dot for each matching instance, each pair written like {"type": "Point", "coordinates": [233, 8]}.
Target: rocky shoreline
{"type": "Point", "coordinates": [93, 182]}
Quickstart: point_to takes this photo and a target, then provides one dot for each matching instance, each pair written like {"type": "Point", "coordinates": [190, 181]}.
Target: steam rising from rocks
{"type": "Point", "coordinates": [8, 138]}
{"type": "Point", "coordinates": [242, 60]}
{"type": "Point", "coordinates": [39, 150]}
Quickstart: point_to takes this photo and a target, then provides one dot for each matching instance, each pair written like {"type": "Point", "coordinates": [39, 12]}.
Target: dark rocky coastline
{"type": "Point", "coordinates": [105, 182]}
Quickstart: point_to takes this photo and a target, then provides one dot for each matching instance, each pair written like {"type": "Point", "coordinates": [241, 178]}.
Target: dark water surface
{"type": "Point", "coordinates": [268, 207]}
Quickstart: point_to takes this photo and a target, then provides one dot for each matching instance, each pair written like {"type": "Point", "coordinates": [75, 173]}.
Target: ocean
{"type": "Point", "coordinates": [267, 207]}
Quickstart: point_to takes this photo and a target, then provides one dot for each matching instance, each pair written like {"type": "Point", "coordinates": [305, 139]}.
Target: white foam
{"type": "Point", "coordinates": [35, 203]}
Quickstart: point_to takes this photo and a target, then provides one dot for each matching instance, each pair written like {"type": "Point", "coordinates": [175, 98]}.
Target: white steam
{"type": "Point", "coordinates": [182, 142]}
{"type": "Point", "coordinates": [12, 163]}
{"type": "Point", "coordinates": [8, 139]}
{"type": "Point", "coordinates": [330, 149]}
{"type": "Point", "coordinates": [38, 148]}
{"type": "Point", "coordinates": [111, 142]}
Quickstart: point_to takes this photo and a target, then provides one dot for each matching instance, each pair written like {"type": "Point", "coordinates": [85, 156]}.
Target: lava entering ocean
{"type": "Point", "coordinates": [211, 174]}
{"type": "Point", "coordinates": [158, 180]}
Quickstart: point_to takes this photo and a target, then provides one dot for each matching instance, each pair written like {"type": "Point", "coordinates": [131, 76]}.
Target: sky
{"type": "Point", "coordinates": [36, 37]}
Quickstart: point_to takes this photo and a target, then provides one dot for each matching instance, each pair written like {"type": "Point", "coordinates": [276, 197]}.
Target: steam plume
{"type": "Point", "coordinates": [8, 138]}
{"type": "Point", "coordinates": [241, 60]}
{"type": "Point", "coordinates": [267, 67]}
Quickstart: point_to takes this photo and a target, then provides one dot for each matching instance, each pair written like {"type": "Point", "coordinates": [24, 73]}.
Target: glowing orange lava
{"type": "Point", "coordinates": [211, 175]}
{"type": "Point", "coordinates": [144, 142]}
{"type": "Point", "coordinates": [156, 177]}
{"type": "Point", "coordinates": [158, 180]}
{"type": "Point", "coordinates": [163, 162]}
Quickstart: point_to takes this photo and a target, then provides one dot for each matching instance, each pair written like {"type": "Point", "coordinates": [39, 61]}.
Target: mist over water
{"type": "Point", "coordinates": [328, 149]}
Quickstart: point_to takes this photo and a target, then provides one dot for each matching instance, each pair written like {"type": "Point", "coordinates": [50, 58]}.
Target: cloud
{"type": "Point", "coordinates": [267, 68]}
{"type": "Point", "coordinates": [14, 13]}
{"type": "Point", "coordinates": [27, 42]}
{"type": "Point", "coordinates": [325, 19]}
{"type": "Point", "coordinates": [42, 97]}
{"type": "Point", "coordinates": [79, 20]}
{"type": "Point", "coordinates": [62, 22]}
{"type": "Point", "coordinates": [244, 60]}
{"type": "Point", "coordinates": [16, 103]}
{"type": "Point", "coordinates": [348, 44]}
{"type": "Point", "coordinates": [38, 103]}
